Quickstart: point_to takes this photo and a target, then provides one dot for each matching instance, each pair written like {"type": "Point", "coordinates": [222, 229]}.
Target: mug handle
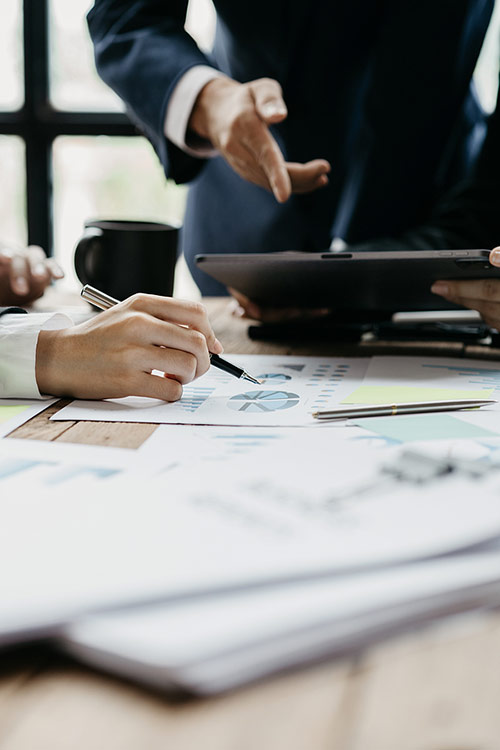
{"type": "Point", "coordinates": [84, 246]}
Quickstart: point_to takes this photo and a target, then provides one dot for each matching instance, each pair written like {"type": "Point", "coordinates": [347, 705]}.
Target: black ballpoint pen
{"type": "Point", "coordinates": [223, 364]}
{"type": "Point", "coordinates": [104, 302]}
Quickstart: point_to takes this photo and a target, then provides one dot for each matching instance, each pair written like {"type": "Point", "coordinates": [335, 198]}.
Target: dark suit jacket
{"type": "Point", "coordinates": [381, 88]}
{"type": "Point", "coordinates": [469, 215]}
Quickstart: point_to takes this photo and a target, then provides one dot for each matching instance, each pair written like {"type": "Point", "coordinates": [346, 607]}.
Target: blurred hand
{"type": "Point", "coordinates": [482, 295]}
{"type": "Point", "coordinates": [25, 274]}
{"type": "Point", "coordinates": [235, 118]}
{"type": "Point", "coordinates": [113, 354]}
{"type": "Point", "coordinates": [242, 307]}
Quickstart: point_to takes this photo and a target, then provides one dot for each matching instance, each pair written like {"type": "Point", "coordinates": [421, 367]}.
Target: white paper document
{"type": "Point", "coordinates": [392, 380]}
{"type": "Point", "coordinates": [90, 544]}
{"type": "Point", "coordinates": [27, 464]}
{"type": "Point", "coordinates": [399, 379]}
{"type": "Point", "coordinates": [292, 388]}
{"type": "Point", "coordinates": [182, 446]}
{"type": "Point", "coordinates": [217, 643]}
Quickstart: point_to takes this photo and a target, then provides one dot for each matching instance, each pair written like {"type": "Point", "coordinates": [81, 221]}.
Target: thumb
{"type": "Point", "coordinates": [268, 99]}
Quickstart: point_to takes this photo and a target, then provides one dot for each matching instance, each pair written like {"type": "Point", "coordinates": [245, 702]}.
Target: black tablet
{"type": "Point", "coordinates": [357, 283]}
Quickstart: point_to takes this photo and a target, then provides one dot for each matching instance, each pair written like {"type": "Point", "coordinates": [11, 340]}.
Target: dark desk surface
{"type": "Point", "coordinates": [437, 689]}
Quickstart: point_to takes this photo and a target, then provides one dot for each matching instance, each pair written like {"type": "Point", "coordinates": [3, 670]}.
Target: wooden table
{"type": "Point", "coordinates": [436, 689]}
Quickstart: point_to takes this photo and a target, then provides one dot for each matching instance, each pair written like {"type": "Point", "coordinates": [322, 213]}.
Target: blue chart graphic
{"type": "Point", "coordinates": [65, 474]}
{"type": "Point", "coordinates": [474, 375]}
{"type": "Point", "coordinates": [11, 466]}
{"type": "Point", "coordinates": [263, 401]}
{"type": "Point", "coordinates": [244, 443]}
{"type": "Point", "coordinates": [193, 397]}
{"type": "Point", "coordinates": [54, 474]}
{"type": "Point", "coordinates": [328, 377]}
{"type": "Point", "coordinates": [374, 441]}
{"type": "Point", "coordinates": [274, 378]}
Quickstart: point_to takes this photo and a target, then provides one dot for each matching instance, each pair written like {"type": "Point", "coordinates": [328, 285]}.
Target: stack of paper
{"type": "Point", "coordinates": [251, 573]}
{"type": "Point", "coordinates": [208, 645]}
{"type": "Point", "coordinates": [217, 554]}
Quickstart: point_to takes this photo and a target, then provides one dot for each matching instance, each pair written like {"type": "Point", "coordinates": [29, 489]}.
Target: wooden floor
{"type": "Point", "coordinates": [437, 689]}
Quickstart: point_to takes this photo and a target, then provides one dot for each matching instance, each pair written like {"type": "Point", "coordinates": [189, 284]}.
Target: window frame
{"type": "Point", "coordinates": [38, 124]}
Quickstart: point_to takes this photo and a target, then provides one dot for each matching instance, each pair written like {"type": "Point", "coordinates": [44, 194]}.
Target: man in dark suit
{"type": "Point", "coordinates": [377, 89]}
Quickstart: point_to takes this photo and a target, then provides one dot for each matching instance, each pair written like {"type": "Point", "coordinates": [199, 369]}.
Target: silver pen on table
{"type": "Point", "coordinates": [104, 302]}
{"type": "Point", "coordinates": [391, 410]}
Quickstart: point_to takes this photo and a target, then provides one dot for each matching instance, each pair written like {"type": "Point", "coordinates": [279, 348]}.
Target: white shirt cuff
{"type": "Point", "coordinates": [18, 342]}
{"type": "Point", "coordinates": [180, 107]}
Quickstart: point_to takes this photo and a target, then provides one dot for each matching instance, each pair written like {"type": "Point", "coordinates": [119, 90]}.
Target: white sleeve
{"type": "Point", "coordinates": [18, 342]}
{"type": "Point", "coordinates": [181, 105]}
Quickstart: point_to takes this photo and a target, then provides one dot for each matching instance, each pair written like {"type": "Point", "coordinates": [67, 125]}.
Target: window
{"type": "Point", "coordinates": [68, 152]}
{"type": "Point", "coordinates": [11, 58]}
{"type": "Point", "coordinates": [12, 205]}
{"type": "Point", "coordinates": [107, 177]}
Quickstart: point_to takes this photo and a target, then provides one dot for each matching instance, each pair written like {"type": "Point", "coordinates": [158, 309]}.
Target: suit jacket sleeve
{"type": "Point", "coordinates": [141, 52]}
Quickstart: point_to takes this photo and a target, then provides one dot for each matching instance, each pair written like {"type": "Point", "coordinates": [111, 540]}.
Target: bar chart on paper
{"type": "Point", "coordinates": [193, 397]}
{"type": "Point", "coordinates": [292, 388]}
{"type": "Point", "coordinates": [48, 473]}
{"type": "Point", "coordinates": [30, 465]}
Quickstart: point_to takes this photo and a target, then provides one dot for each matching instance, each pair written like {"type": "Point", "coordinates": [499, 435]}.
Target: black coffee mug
{"type": "Point", "coordinates": [124, 257]}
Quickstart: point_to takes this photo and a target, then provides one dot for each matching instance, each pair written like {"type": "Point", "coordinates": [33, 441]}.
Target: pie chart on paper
{"type": "Point", "coordinates": [263, 401]}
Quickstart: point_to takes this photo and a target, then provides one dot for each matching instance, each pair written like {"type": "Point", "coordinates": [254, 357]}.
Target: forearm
{"type": "Point", "coordinates": [53, 368]}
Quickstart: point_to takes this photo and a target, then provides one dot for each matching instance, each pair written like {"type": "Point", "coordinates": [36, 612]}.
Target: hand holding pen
{"type": "Point", "coordinates": [105, 302]}
{"type": "Point", "coordinates": [114, 354]}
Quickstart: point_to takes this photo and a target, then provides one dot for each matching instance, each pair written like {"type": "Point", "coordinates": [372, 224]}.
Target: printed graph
{"type": "Point", "coordinates": [295, 368]}
{"type": "Point", "coordinates": [374, 441]}
{"type": "Point", "coordinates": [193, 397]}
{"type": "Point", "coordinates": [274, 378]}
{"type": "Point", "coordinates": [328, 377]}
{"type": "Point", "coordinates": [481, 376]}
{"type": "Point", "coordinates": [263, 401]}
{"type": "Point", "coordinates": [9, 467]}
{"type": "Point", "coordinates": [49, 473]}
{"type": "Point", "coordinates": [66, 474]}
{"type": "Point", "coordinates": [243, 442]}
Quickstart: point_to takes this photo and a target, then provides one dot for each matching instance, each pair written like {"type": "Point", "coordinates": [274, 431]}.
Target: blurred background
{"type": "Point", "coordinates": [96, 175]}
